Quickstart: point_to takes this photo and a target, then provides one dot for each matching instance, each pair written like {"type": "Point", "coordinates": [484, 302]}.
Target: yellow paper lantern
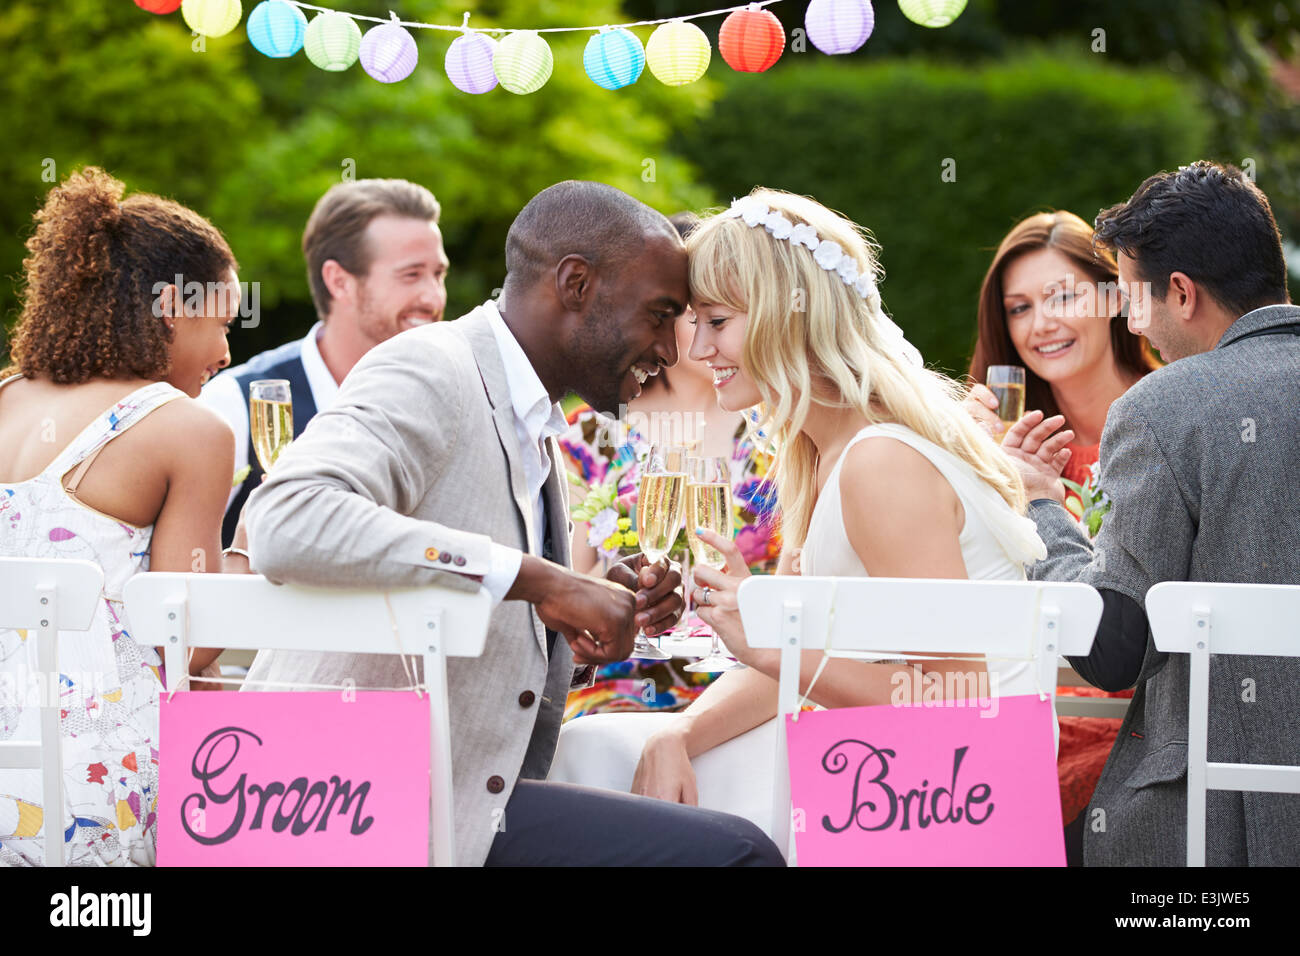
{"type": "Point", "coordinates": [678, 53]}
{"type": "Point", "coordinates": [213, 18]}
{"type": "Point", "coordinates": [523, 62]}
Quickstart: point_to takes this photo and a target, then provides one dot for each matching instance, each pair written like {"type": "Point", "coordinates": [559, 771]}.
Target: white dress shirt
{"type": "Point", "coordinates": [222, 395]}
{"type": "Point", "coordinates": [537, 418]}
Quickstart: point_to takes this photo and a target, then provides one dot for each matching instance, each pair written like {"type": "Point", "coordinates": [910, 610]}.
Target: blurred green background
{"type": "Point", "coordinates": [1029, 105]}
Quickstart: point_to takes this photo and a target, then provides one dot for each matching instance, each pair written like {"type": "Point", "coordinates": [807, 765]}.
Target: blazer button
{"type": "Point", "coordinates": [527, 698]}
{"type": "Point", "coordinates": [431, 554]}
{"type": "Point", "coordinates": [445, 558]}
{"type": "Point", "coordinates": [495, 784]}
{"type": "Point", "coordinates": [460, 560]}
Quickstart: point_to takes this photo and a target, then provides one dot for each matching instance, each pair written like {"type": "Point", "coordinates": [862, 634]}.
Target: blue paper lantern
{"type": "Point", "coordinates": [276, 28]}
{"type": "Point", "coordinates": [839, 26]}
{"type": "Point", "coordinates": [614, 58]}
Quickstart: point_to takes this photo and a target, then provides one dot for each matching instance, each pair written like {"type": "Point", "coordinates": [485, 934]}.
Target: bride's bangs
{"type": "Point", "coordinates": [719, 268]}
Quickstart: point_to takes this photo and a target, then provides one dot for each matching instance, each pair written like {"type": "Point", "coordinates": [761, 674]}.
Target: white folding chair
{"type": "Point", "coordinates": [1200, 619]}
{"type": "Point", "coordinates": [46, 595]}
{"type": "Point", "coordinates": [1002, 619]}
{"type": "Point", "coordinates": [179, 611]}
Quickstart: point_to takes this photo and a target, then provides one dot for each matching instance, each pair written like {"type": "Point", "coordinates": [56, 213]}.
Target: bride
{"type": "Point", "coordinates": [879, 471]}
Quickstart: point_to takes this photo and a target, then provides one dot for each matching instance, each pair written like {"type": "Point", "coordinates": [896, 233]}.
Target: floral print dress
{"type": "Point", "coordinates": [107, 683]}
{"type": "Point", "coordinates": [593, 450]}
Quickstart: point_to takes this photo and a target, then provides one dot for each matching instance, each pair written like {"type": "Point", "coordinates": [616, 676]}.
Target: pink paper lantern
{"type": "Point", "coordinates": [159, 6]}
{"type": "Point", "coordinates": [839, 26]}
{"type": "Point", "coordinates": [469, 63]}
{"type": "Point", "coordinates": [388, 52]}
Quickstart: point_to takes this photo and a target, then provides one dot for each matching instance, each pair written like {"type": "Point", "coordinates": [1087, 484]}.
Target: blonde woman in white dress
{"type": "Point", "coordinates": [879, 471]}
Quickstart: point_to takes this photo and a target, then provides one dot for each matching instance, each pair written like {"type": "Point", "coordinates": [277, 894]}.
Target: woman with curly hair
{"type": "Point", "coordinates": [108, 458]}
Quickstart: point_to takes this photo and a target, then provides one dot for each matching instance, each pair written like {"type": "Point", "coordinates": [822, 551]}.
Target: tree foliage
{"type": "Point", "coordinates": [940, 161]}
{"type": "Point", "coordinates": [252, 143]}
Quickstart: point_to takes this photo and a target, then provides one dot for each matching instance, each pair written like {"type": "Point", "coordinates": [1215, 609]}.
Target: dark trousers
{"type": "Point", "coordinates": [561, 824]}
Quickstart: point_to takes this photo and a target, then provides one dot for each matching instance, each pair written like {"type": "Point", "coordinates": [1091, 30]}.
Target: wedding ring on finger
{"type": "Point", "coordinates": [704, 597]}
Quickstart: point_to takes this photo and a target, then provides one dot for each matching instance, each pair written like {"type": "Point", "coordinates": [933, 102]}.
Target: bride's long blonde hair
{"type": "Point", "coordinates": [806, 325]}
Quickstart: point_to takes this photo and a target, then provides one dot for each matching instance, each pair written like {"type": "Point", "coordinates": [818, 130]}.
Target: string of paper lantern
{"type": "Point", "coordinates": [750, 40]}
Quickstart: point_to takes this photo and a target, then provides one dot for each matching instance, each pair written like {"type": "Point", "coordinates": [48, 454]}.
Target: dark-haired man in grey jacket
{"type": "Point", "coordinates": [1199, 460]}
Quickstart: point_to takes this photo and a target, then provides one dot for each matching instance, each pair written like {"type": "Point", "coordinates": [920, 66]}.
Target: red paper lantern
{"type": "Point", "coordinates": [751, 40]}
{"type": "Point", "coordinates": [159, 6]}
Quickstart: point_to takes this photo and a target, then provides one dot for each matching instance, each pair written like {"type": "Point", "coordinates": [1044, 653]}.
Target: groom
{"type": "Point", "coordinates": [438, 464]}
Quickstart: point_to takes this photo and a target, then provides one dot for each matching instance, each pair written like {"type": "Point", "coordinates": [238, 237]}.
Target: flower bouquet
{"type": "Point", "coordinates": [1092, 504]}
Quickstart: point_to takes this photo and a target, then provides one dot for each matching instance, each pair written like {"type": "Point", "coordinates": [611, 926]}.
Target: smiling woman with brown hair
{"type": "Point", "coordinates": [1051, 304]}
{"type": "Point", "coordinates": [126, 305]}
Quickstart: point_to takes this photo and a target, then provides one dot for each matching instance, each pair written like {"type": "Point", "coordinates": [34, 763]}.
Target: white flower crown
{"type": "Point", "coordinates": [830, 255]}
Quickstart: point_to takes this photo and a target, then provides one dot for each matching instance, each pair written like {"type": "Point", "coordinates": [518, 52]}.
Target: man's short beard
{"type": "Point", "coordinates": [593, 348]}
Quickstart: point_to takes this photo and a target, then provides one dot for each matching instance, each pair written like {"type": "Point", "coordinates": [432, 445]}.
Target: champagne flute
{"type": "Point", "coordinates": [1007, 383]}
{"type": "Point", "coordinates": [270, 414]}
{"type": "Point", "coordinates": [708, 506]}
{"type": "Point", "coordinates": [659, 502]}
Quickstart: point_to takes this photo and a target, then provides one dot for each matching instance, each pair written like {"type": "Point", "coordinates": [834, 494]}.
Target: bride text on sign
{"type": "Point", "coordinates": [209, 766]}
{"type": "Point", "coordinates": [875, 795]}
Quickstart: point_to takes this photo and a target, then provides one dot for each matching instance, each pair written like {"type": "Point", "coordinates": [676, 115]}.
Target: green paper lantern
{"type": "Point", "coordinates": [333, 41]}
{"type": "Point", "coordinates": [213, 18]}
{"type": "Point", "coordinates": [523, 62]}
{"type": "Point", "coordinates": [932, 13]}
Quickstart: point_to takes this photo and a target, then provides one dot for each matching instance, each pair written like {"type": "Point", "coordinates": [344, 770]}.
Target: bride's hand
{"type": "Point", "coordinates": [664, 770]}
{"type": "Point", "coordinates": [718, 607]}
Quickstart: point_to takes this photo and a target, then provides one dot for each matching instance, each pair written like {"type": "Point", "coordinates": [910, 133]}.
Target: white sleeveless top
{"type": "Point", "coordinates": [996, 543]}
{"type": "Point", "coordinates": [108, 683]}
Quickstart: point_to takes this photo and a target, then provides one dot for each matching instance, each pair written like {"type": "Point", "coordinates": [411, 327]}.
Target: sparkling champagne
{"type": "Point", "coordinates": [1011, 402]}
{"type": "Point", "coordinates": [708, 506]}
{"type": "Point", "coordinates": [272, 428]}
{"type": "Point", "coordinates": [659, 513]}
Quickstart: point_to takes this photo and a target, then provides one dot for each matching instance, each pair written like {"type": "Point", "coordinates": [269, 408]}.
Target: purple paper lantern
{"type": "Point", "coordinates": [839, 26]}
{"type": "Point", "coordinates": [388, 52]}
{"type": "Point", "coordinates": [469, 63]}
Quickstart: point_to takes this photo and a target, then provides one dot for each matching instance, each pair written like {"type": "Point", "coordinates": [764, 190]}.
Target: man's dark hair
{"type": "Point", "coordinates": [1208, 221]}
{"type": "Point", "coordinates": [605, 226]}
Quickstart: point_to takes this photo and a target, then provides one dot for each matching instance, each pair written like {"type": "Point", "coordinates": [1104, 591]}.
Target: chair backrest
{"type": "Point", "coordinates": [1199, 618]}
{"type": "Point", "coordinates": [47, 595]}
{"type": "Point", "coordinates": [179, 611]}
{"type": "Point", "coordinates": [1008, 619]}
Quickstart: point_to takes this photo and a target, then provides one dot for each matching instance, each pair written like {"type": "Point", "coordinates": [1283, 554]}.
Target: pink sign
{"type": "Point", "coordinates": [293, 779]}
{"type": "Point", "coordinates": [934, 785]}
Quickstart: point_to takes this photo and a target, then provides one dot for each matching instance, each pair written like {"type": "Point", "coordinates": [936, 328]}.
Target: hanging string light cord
{"type": "Point", "coordinates": [463, 26]}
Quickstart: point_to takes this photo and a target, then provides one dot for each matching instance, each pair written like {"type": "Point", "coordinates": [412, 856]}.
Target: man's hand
{"type": "Point", "coordinates": [659, 602]}
{"type": "Point", "coordinates": [595, 616]}
{"type": "Point", "coordinates": [1039, 455]}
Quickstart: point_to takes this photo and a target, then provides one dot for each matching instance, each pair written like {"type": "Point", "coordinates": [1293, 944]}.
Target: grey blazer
{"type": "Point", "coordinates": [1200, 461]}
{"type": "Point", "coordinates": [404, 482]}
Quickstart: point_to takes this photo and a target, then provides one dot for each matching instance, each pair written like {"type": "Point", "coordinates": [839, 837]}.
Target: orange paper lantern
{"type": "Point", "coordinates": [751, 40]}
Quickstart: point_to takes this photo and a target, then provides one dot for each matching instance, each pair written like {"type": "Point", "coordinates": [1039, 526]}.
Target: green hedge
{"type": "Point", "coordinates": [871, 139]}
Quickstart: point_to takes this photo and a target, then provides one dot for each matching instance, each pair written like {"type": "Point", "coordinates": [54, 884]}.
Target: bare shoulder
{"type": "Point", "coordinates": [901, 515]}
{"type": "Point", "coordinates": [886, 471]}
{"type": "Point", "coordinates": [189, 428]}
